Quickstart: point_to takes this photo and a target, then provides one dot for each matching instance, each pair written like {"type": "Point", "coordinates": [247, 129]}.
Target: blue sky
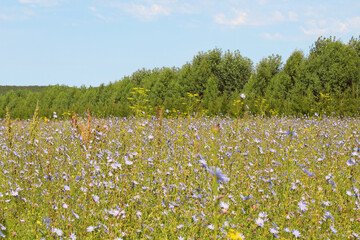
{"type": "Point", "coordinates": [78, 42]}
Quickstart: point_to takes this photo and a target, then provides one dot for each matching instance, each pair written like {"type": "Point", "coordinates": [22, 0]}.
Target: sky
{"type": "Point", "coordinates": [93, 42]}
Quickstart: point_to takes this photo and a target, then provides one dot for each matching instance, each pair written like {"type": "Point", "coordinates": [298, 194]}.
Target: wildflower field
{"type": "Point", "coordinates": [180, 178]}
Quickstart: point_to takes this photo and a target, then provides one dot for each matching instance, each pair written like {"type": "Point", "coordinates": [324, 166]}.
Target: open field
{"type": "Point", "coordinates": [184, 178]}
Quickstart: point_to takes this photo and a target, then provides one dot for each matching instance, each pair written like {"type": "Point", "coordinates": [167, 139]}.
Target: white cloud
{"type": "Point", "coordinates": [353, 24]}
{"type": "Point", "coordinates": [314, 12]}
{"type": "Point", "coordinates": [17, 14]}
{"type": "Point", "coordinates": [147, 13]}
{"type": "Point", "coordinates": [278, 17]}
{"type": "Point", "coordinates": [40, 2]}
{"type": "Point", "coordinates": [238, 19]}
{"type": "Point", "coordinates": [250, 18]}
{"type": "Point", "coordinates": [188, 8]}
{"type": "Point", "coordinates": [293, 16]}
{"type": "Point", "coordinates": [93, 9]}
{"type": "Point", "coordinates": [5, 17]}
{"type": "Point", "coordinates": [275, 36]}
{"type": "Point", "coordinates": [331, 26]}
{"type": "Point", "coordinates": [315, 28]}
{"type": "Point", "coordinates": [148, 10]}
{"type": "Point", "coordinates": [96, 13]}
{"type": "Point", "coordinates": [261, 2]}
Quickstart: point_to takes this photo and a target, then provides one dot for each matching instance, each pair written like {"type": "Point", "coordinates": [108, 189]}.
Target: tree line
{"type": "Point", "coordinates": [326, 81]}
{"type": "Point", "coordinates": [35, 88]}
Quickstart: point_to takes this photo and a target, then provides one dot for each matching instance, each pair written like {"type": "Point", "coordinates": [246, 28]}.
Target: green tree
{"type": "Point", "coordinates": [233, 72]}
{"type": "Point", "coordinates": [293, 68]}
{"type": "Point", "coordinates": [211, 97]}
{"type": "Point", "coordinates": [334, 65]}
{"type": "Point", "coordinates": [266, 69]}
{"type": "Point", "coordinates": [355, 44]}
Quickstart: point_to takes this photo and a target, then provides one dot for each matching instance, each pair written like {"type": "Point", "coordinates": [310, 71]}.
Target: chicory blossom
{"type": "Point", "coordinates": [302, 205]}
{"type": "Point", "coordinates": [310, 174]}
{"type": "Point", "coordinates": [296, 233]}
{"type": "Point", "coordinates": [275, 232]}
{"type": "Point", "coordinates": [333, 229]}
{"type": "Point", "coordinates": [77, 216]}
{"type": "Point", "coordinates": [351, 162]}
{"type": "Point", "coordinates": [96, 199]}
{"type": "Point", "coordinates": [260, 222]}
{"type": "Point", "coordinates": [212, 227]}
{"type": "Point", "coordinates": [224, 205]}
{"type": "Point", "coordinates": [246, 197]}
{"type": "Point", "coordinates": [57, 231]}
{"type": "Point", "coordinates": [72, 236]}
{"type": "Point", "coordinates": [220, 177]}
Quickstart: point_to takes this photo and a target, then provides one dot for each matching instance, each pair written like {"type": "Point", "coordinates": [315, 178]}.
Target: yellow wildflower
{"type": "Point", "coordinates": [235, 235]}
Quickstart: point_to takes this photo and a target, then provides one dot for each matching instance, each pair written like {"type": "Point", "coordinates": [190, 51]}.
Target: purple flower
{"type": "Point", "coordinates": [224, 205]}
{"type": "Point", "coordinates": [302, 205]}
{"type": "Point", "coordinates": [333, 229]}
{"type": "Point", "coordinates": [275, 232]}
{"type": "Point", "coordinates": [90, 229]}
{"type": "Point", "coordinates": [96, 199]}
{"type": "Point", "coordinates": [203, 162]}
{"type": "Point", "coordinates": [310, 174]}
{"type": "Point", "coordinates": [246, 197]}
{"type": "Point", "coordinates": [260, 222]}
{"type": "Point", "coordinates": [351, 162]}
{"type": "Point", "coordinates": [328, 215]}
{"type": "Point", "coordinates": [128, 162]}
{"type": "Point", "coordinates": [262, 215]}
{"type": "Point", "coordinates": [332, 182]}
{"type": "Point", "coordinates": [57, 231]}
{"type": "Point", "coordinates": [296, 233]}
{"type": "Point", "coordinates": [77, 216]}
{"type": "Point", "coordinates": [72, 236]}
{"type": "Point", "coordinates": [220, 177]}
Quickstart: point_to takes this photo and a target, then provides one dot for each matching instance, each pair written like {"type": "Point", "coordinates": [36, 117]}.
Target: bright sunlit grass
{"type": "Point", "coordinates": [185, 178]}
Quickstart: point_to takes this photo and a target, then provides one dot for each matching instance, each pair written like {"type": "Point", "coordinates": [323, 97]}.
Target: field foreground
{"type": "Point", "coordinates": [186, 178]}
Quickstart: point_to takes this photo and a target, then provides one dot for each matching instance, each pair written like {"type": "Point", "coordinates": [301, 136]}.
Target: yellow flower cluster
{"type": "Point", "coordinates": [235, 235]}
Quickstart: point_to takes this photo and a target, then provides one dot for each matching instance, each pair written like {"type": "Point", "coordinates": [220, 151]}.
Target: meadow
{"type": "Point", "coordinates": [180, 178]}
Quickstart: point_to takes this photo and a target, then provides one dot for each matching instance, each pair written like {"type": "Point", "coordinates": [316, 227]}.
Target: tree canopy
{"type": "Point", "coordinates": [325, 81]}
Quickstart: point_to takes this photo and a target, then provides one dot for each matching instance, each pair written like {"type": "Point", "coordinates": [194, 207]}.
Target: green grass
{"type": "Point", "coordinates": [137, 178]}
